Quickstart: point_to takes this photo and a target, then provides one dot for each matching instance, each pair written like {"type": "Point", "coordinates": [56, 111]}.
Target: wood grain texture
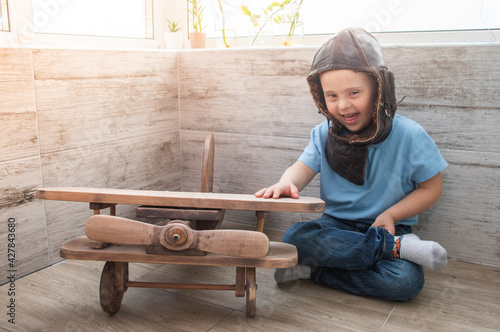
{"type": "Point", "coordinates": [207, 168]}
{"type": "Point", "coordinates": [247, 92]}
{"type": "Point", "coordinates": [180, 199]}
{"type": "Point", "coordinates": [88, 98]}
{"type": "Point", "coordinates": [177, 236]}
{"type": "Point", "coordinates": [469, 129]}
{"type": "Point", "coordinates": [18, 182]}
{"type": "Point", "coordinates": [47, 300]}
{"type": "Point", "coordinates": [182, 214]}
{"type": "Point", "coordinates": [54, 64]}
{"type": "Point", "coordinates": [458, 76]}
{"type": "Point", "coordinates": [16, 68]}
{"type": "Point", "coordinates": [463, 297]}
{"type": "Point", "coordinates": [286, 307]}
{"type": "Point", "coordinates": [18, 136]}
{"type": "Point", "coordinates": [468, 209]}
{"type": "Point", "coordinates": [150, 162]}
{"type": "Point", "coordinates": [280, 255]}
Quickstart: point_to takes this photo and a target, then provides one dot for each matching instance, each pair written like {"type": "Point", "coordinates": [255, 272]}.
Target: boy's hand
{"type": "Point", "coordinates": [295, 178]}
{"type": "Point", "coordinates": [418, 201]}
{"type": "Point", "coordinates": [386, 221]}
{"type": "Point", "coordinates": [278, 190]}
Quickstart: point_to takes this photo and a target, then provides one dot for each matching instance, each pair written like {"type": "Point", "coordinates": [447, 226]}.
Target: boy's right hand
{"type": "Point", "coordinates": [295, 178]}
{"type": "Point", "coordinates": [278, 190]}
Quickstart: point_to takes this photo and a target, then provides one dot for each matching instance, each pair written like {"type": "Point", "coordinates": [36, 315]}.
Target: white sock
{"type": "Point", "coordinates": [292, 273]}
{"type": "Point", "coordinates": [426, 253]}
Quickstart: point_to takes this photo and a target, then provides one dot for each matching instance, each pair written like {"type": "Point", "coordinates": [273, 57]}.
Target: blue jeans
{"type": "Point", "coordinates": [355, 257]}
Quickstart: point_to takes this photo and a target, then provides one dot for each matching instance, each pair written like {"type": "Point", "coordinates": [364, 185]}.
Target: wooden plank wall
{"type": "Point", "coordinates": [20, 166]}
{"type": "Point", "coordinates": [258, 105]}
{"type": "Point", "coordinates": [80, 118]}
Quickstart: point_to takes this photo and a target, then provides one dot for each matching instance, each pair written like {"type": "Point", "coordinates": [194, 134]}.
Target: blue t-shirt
{"type": "Point", "coordinates": [394, 168]}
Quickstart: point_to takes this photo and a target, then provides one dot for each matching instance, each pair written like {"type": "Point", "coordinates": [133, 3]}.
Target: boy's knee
{"type": "Point", "coordinates": [289, 235]}
{"type": "Point", "coordinates": [295, 233]}
{"type": "Point", "coordinates": [405, 284]}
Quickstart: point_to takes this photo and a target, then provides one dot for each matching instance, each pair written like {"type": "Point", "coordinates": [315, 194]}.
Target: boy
{"type": "Point", "coordinates": [378, 172]}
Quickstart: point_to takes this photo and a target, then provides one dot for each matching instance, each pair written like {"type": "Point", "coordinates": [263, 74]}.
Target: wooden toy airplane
{"type": "Point", "coordinates": [195, 240]}
{"type": "Point", "coordinates": [245, 250]}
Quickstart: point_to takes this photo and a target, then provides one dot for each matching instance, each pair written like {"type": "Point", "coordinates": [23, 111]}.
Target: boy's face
{"type": "Point", "coordinates": [350, 97]}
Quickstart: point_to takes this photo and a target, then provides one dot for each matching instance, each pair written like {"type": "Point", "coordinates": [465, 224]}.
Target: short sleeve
{"type": "Point", "coordinates": [427, 160]}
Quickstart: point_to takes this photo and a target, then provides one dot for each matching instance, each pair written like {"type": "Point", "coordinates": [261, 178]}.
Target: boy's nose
{"type": "Point", "coordinates": [344, 104]}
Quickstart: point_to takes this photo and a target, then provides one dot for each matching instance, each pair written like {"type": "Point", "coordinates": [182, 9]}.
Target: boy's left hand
{"type": "Point", "coordinates": [386, 221]}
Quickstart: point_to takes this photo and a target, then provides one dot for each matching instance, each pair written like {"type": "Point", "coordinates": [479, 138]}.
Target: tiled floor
{"type": "Point", "coordinates": [64, 297]}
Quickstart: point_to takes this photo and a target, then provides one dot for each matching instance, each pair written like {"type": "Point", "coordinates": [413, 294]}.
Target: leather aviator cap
{"type": "Point", "coordinates": [357, 50]}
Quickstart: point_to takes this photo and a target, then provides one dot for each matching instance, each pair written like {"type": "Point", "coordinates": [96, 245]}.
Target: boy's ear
{"type": "Point", "coordinates": [388, 91]}
{"type": "Point", "coordinates": [316, 90]}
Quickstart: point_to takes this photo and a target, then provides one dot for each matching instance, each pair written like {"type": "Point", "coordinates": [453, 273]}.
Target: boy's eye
{"type": "Point", "coordinates": [354, 92]}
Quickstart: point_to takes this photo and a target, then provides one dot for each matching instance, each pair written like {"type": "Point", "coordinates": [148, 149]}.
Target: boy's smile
{"type": "Point", "coordinates": [350, 97]}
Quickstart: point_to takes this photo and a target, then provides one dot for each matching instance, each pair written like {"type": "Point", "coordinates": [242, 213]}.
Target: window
{"type": "Point", "coordinates": [111, 18]}
{"type": "Point", "coordinates": [115, 24]}
{"type": "Point", "coordinates": [4, 16]}
{"type": "Point", "coordinates": [141, 23]}
{"type": "Point", "coordinates": [424, 17]}
{"type": "Point", "coordinates": [401, 15]}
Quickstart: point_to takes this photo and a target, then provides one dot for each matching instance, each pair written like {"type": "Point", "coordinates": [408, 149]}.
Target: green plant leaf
{"type": "Point", "coordinates": [273, 4]}
{"type": "Point", "coordinates": [173, 26]}
{"type": "Point", "coordinates": [246, 11]}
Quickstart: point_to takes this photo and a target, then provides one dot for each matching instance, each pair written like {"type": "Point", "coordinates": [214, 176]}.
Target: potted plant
{"type": "Point", "coordinates": [173, 37]}
{"type": "Point", "coordinates": [197, 38]}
